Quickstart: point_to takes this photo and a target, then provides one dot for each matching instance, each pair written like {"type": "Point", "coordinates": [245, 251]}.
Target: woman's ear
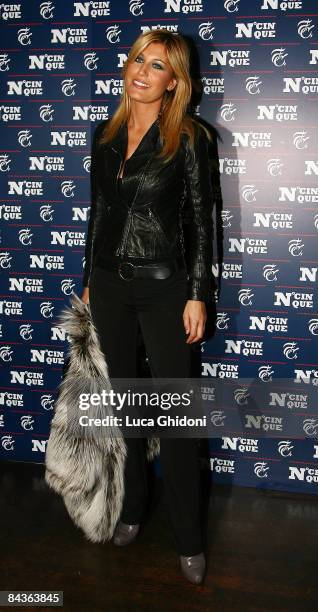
{"type": "Point", "coordinates": [172, 84]}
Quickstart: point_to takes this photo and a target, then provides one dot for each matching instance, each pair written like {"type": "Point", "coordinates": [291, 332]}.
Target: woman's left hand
{"type": "Point", "coordinates": [194, 318]}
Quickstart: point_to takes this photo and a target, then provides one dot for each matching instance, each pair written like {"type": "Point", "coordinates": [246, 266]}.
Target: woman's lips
{"type": "Point", "coordinates": [139, 85]}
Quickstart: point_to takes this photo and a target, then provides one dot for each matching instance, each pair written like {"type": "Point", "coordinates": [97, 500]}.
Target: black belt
{"type": "Point", "coordinates": [128, 270]}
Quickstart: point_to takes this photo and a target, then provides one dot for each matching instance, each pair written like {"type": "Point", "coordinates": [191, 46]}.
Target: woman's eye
{"type": "Point", "coordinates": [155, 64]}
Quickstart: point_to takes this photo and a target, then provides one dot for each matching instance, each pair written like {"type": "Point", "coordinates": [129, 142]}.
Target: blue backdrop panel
{"type": "Point", "coordinates": [60, 75]}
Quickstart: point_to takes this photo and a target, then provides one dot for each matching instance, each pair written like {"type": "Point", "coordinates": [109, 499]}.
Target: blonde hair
{"type": "Point", "coordinates": [173, 117]}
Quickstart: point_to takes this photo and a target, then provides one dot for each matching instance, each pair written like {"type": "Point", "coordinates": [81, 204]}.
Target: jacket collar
{"type": "Point", "coordinates": [120, 140]}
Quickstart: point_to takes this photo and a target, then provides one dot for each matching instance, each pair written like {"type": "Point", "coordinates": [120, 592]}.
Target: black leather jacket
{"type": "Point", "coordinates": [145, 218]}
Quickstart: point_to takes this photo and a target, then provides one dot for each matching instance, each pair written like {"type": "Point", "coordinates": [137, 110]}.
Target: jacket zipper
{"type": "Point", "coordinates": [122, 247]}
{"type": "Point", "coordinates": [127, 225]}
{"type": "Point", "coordinates": [152, 215]}
{"type": "Point", "coordinates": [127, 228]}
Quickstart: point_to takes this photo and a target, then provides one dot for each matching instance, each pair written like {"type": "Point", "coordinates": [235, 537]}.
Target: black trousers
{"type": "Point", "coordinates": [117, 306]}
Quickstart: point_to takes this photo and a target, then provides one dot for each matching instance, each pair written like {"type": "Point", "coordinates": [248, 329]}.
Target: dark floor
{"type": "Point", "coordinates": [262, 552]}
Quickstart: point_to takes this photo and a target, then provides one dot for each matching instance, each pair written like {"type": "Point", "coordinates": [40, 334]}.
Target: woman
{"type": "Point", "coordinates": [147, 161]}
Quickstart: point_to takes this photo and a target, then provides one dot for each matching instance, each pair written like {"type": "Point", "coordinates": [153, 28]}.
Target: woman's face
{"type": "Point", "coordinates": [149, 75]}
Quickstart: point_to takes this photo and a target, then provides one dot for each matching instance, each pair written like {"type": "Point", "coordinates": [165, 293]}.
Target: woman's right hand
{"type": "Point", "coordinates": [85, 295]}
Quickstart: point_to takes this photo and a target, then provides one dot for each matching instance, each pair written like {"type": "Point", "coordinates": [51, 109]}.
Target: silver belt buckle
{"type": "Point", "coordinates": [126, 263]}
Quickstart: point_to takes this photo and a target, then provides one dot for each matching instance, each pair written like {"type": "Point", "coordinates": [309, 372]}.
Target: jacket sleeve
{"type": "Point", "coordinates": [96, 208]}
{"type": "Point", "coordinates": [200, 205]}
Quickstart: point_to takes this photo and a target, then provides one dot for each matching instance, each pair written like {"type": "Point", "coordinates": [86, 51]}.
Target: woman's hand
{"type": "Point", "coordinates": [194, 318]}
{"type": "Point", "coordinates": [85, 295]}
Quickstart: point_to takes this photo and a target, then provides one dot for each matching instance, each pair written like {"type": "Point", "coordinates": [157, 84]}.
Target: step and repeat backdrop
{"type": "Point", "coordinates": [60, 69]}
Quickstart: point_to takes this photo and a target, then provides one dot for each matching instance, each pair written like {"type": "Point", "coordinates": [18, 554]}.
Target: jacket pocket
{"type": "Point", "coordinates": [153, 216]}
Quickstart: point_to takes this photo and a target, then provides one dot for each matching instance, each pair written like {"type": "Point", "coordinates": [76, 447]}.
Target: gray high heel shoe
{"type": "Point", "coordinates": [124, 533]}
{"type": "Point", "coordinates": [193, 567]}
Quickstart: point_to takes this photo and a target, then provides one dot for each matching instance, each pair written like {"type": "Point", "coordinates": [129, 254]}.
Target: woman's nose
{"type": "Point", "coordinates": [143, 70]}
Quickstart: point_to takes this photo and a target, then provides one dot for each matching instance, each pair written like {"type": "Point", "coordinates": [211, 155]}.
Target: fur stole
{"type": "Point", "coordinates": [87, 470]}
